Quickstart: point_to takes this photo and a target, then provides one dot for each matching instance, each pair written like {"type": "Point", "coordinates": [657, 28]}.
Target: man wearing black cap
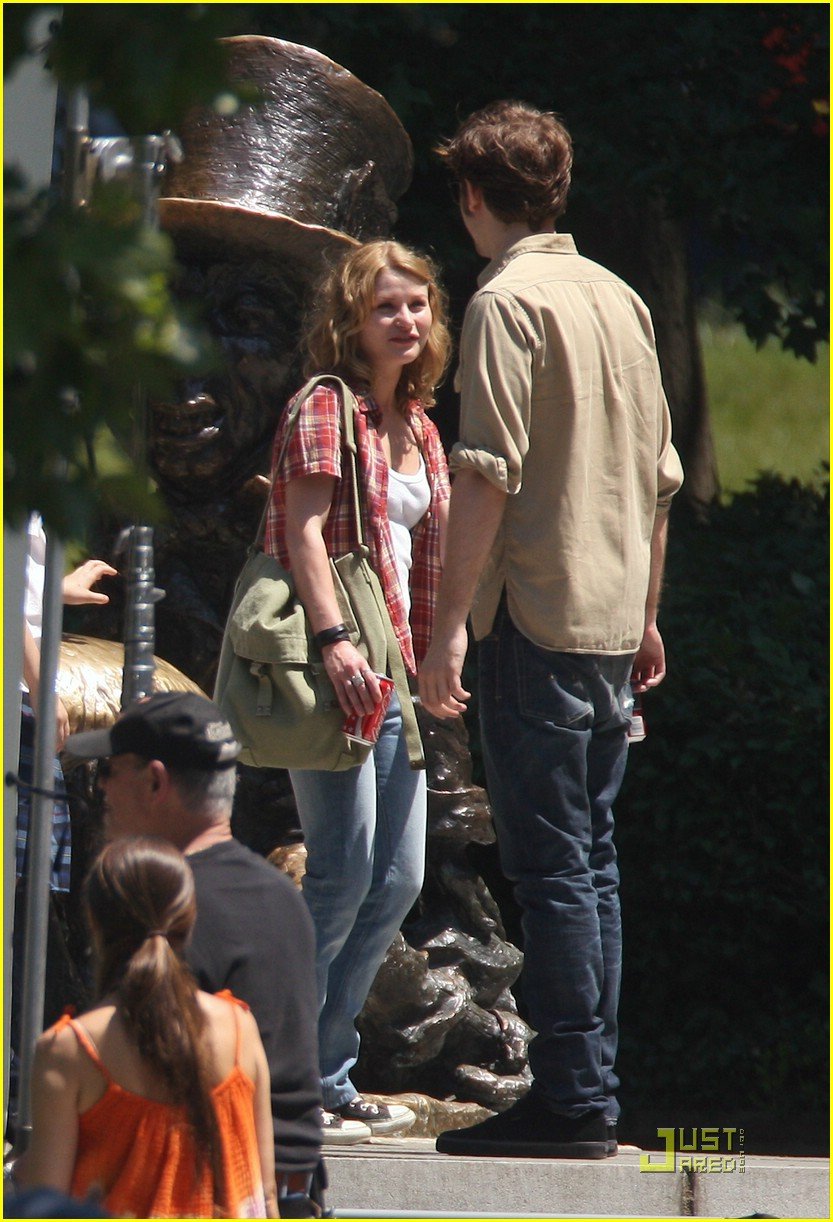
{"type": "Point", "coordinates": [167, 768]}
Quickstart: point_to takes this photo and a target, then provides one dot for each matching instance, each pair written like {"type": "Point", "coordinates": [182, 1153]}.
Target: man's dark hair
{"type": "Point", "coordinates": [518, 156]}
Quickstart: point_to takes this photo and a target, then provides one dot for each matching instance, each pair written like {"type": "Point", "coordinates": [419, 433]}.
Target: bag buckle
{"type": "Point", "coordinates": [263, 707]}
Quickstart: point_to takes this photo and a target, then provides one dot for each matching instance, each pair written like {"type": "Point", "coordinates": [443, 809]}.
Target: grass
{"type": "Point", "coordinates": [769, 410]}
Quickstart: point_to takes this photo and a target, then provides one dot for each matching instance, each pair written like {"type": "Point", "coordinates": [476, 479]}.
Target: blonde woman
{"type": "Point", "coordinates": [379, 324]}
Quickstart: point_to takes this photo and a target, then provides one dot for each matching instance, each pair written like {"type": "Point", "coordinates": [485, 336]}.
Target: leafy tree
{"type": "Point", "coordinates": [725, 876]}
{"type": "Point", "coordinates": [90, 321]}
{"type": "Point", "coordinates": [701, 147]}
{"type": "Point", "coordinates": [145, 63]}
{"type": "Point", "coordinates": [701, 144]}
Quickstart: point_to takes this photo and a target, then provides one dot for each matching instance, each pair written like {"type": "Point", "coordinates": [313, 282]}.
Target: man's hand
{"type": "Point", "coordinates": [440, 688]}
{"type": "Point", "coordinates": [649, 663]}
{"type": "Point", "coordinates": [76, 587]}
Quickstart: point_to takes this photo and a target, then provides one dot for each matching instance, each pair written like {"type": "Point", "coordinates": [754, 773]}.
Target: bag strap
{"type": "Point", "coordinates": [348, 436]}
{"type": "Point", "coordinates": [413, 738]}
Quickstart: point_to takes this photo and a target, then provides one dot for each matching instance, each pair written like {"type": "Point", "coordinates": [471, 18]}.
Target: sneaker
{"type": "Point", "coordinates": [381, 1118]}
{"type": "Point", "coordinates": [530, 1130]}
{"type": "Point", "coordinates": [335, 1131]}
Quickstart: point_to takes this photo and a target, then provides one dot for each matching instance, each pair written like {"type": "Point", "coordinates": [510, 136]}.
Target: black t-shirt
{"type": "Point", "coordinates": [254, 935]}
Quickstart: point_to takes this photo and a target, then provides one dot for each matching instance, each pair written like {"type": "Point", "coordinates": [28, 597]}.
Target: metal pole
{"type": "Point", "coordinates": [76, 148]}
{"type": "Point", "coordinates": [140, 163]}
{"type": "Point", "coordinates": [36, 917]}
{"type": "Point", "coordinates": [79, 169]}
{"type": "Point", "coordinates": [29, 108]}
{"type": "Point", "coordinates": [139, 621]}
{"type": "Point", "coordinates": [14, 563]}
{"type": "Point", "coordinates": [40, 841]}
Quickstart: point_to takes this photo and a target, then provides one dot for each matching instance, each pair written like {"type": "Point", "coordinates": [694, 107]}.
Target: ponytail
{"type": "Point", "coordinates": [139, 897]}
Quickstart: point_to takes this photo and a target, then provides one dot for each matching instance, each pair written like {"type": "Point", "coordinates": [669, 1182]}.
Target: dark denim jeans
{"type": "Point", "coordinates": [554, 728]}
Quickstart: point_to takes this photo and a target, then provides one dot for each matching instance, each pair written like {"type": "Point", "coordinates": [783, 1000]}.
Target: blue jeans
{"type": "Point", "coordinates": [554, 729]}
{"type": "Point", "coordinates": [364, 831]}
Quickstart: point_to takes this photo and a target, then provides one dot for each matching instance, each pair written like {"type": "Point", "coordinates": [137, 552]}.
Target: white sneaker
{"type": "Point", "coordinates": [381, 1118]}
{"type": "Point", "coordinates": [336, 1131]}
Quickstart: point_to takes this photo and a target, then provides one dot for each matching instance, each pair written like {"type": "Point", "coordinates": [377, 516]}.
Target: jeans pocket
{"type": "Point", "coordinates": [552, 687]}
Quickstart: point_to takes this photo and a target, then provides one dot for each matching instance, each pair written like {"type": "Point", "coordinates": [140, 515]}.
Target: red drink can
{"type": "Point", "coordinates": [364, 727]}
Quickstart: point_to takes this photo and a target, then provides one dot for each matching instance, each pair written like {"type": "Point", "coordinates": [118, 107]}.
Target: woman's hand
{"type": "Point", "coordinates": [62, 726]}
{"type": "Point", "coordinates": [355, 684]}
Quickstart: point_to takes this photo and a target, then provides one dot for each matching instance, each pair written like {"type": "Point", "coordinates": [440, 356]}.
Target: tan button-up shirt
{"type": "Point", "coordinates": [562, 407]}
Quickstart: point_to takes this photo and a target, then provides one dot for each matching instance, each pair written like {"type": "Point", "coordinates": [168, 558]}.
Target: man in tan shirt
{"type": "Point", "coordinates": [565, 473]}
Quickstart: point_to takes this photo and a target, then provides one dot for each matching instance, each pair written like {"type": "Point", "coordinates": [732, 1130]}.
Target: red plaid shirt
{"type": "Point", "coordinates": [315, 448]}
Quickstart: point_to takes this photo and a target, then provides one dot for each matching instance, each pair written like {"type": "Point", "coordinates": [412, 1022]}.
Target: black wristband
{"type": "Point", "coordinates": [329, 636]}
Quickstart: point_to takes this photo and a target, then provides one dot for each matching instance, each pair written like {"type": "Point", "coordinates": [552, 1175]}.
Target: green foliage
{"type": "Point", "coordinates": [720, 109]}
{"type": "Point", "coordinates": [90, 324]}
{"type": "Point", "coordinates": [723, 828]}
{"type": "Point", "coordinates": [769, 411]}
{"type": "Point", "coordinates": [145, 63]}
{"type": "Point", "coordinates": [723, 819]}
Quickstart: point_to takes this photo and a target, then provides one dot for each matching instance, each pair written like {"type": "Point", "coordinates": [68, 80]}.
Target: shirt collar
{"type": "Point", "coordinates": [369, 407]}
{"type": "Point", "coordinates": [365, 402]}
{"type": "Point", "coordinates": [536, 243]}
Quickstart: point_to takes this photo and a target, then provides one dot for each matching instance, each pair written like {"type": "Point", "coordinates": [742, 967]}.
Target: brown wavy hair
{"type": "Point", "coordinates": [342, 304]}
{"type": "Point", "coordinates": [520, 158]}
{"type": "Point", "coordinates": [140, 903]}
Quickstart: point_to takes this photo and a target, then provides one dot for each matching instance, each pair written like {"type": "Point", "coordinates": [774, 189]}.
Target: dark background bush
{"type": "Point", "coordinates": [723, 835]}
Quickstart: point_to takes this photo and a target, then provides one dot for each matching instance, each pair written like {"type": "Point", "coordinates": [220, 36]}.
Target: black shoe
{"type": "Point", "coordinates": [530, 1130]}
{"type": "Point", "coordinates": [612, 1140]}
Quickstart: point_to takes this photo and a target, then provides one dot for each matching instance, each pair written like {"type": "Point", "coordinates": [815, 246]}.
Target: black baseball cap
{"type": "Point", "coordinates": [181, 729]}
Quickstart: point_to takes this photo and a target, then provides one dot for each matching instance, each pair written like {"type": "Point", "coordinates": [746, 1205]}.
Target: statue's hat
{"type": "Point", "coordinates": [310, 169]}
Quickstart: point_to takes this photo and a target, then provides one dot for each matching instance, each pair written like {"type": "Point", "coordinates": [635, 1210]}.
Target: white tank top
{"type": "Point", "coordinates": [408, 499]}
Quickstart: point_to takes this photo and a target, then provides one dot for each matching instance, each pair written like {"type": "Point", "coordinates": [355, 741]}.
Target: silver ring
{"type": "Point", "coordinates": [357, 680]}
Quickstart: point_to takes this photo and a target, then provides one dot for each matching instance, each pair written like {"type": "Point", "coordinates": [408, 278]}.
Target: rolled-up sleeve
{"type": "Point", "coordinates": [497, 348]}
{"type": "Point", "coordinates": [669, 467]}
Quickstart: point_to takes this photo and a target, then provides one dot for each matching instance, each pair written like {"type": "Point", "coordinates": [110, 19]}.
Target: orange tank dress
{"type": "Point", "coordinates": [137, 1155]}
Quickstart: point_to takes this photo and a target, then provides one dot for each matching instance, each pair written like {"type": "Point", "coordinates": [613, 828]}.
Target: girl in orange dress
{"type": "Point", "coordinates": [156, 1102]}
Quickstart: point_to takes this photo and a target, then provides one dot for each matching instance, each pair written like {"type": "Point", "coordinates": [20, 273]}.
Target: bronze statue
{"type": "Point", "coordinates": [263, 197]}
{"type": "Point", "coordinates": [440, 1018]}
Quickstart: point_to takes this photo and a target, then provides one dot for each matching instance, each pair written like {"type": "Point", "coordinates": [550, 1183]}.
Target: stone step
{"type": "Point", "coordinates": [406, 1178]}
